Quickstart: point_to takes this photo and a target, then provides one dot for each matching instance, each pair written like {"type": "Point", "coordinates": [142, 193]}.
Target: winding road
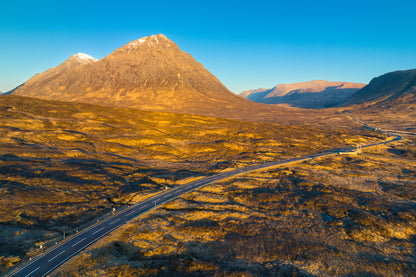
{"type": "Point", "coordinates": [389, 132]}
{"type": "Point", "coordinates": [55, 257]}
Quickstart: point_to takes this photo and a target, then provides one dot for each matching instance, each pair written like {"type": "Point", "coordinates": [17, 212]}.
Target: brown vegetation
{"type": "Point", "coordinates": [336, 216]}
{"type": "Point", "coordinates": [63, 165]}
{"type": "Point", "coordinates": [401, 118]}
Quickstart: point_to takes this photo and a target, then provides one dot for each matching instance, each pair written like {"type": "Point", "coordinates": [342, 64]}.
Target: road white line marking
{"type": "Point", "coordinates": [118, 219]}
{"type": "Point", "coordinates": [78, 242]}
{"type": "Point", "coordinates": [33, 271]}
{"type": "Point", "coordinates": [98, 230]}
{"type": "Point", "coordinates": [56, 256]}
{"type": "Point", "coordinates": [130, 213]}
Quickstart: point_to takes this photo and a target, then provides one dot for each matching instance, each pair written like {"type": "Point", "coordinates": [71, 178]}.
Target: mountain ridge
{"type": "Point", "coordinates": [149, 73]}
{"type": "Point", "coordinates": [314, 94]}
{"type": "Point", "coordinates": [387, 87]}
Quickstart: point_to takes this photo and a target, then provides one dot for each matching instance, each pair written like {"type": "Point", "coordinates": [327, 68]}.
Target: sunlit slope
{"type": "Point", "coordinates": [315, 94]}
{"type": "Point", "coordinates": [150, 73]}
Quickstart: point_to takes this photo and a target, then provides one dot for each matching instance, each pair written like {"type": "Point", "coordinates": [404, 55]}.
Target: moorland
{"type": "Point", "coordinates": [63, 165]}
{"type": "Point", "coordinates": [335, 216]}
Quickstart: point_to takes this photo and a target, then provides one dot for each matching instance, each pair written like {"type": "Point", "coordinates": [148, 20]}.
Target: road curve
{"type": "Point", "coordinates": [52, 259]}
{"type": "Point", "coordinates": [389, 132]}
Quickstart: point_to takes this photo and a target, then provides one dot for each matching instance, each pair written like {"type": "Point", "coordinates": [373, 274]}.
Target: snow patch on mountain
{"type": "Point", "coordinates": [152, 41]}
{"type": "Point", "coordinates": [85, 57]}
{"type": "Point", "coordinates": [136, 43]}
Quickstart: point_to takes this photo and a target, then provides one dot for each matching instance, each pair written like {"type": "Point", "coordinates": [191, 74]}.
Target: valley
{"type": "Point", "coordinates": [85, 141]}
{"type": "Point", "coordinates": [65, 165]}
{"type": "Point", "coordinates": [342, 215]}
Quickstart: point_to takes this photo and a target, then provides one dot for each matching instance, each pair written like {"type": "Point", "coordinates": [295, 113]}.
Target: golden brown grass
{"type": "Point", "coordinates": [62, 165]}
{"type": "Point", "coordinates": [335, 216]}
{"type": "Point", "coordinates": [399, 117]}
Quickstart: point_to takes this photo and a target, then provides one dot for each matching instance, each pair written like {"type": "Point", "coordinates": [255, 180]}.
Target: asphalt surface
{"type": "Point", "coordinates": [52, 259]}
{"type": "Point", "coordinates": [389, 132]}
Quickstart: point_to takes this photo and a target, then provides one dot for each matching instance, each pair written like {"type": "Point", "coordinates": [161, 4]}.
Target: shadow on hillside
{"type": "Point", "coordinates": [331, 96]}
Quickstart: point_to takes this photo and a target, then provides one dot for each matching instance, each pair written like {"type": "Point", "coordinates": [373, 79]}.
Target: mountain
{"type": "Point", "coordinates": [149, 73]}
{"type": "Point", "coordinates": [388, 101]}
{"type": "Point", "coordinates": [312, 95]}
{"type": "Point", "coordinates": [393, 87]}
{"type": "Point", "coordinates": [48, 83]}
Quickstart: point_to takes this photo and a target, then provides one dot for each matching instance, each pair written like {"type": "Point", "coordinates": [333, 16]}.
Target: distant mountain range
{"type": "Point", "coordinates": [312, 95]}
{"type": "Point", "coordinates": [150, 73]}
{"type": "Point", "coordinates": [394, 90]}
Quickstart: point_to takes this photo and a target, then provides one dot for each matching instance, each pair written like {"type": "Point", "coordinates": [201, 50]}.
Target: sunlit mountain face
{"type": "Point", "coordinates": [149, 73]}
{"type": "Point", "coordinates": [315, 94]}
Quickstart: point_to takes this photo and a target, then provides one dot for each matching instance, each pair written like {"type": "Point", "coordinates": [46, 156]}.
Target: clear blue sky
{"type": "Point", "coordinates": [246, 44]}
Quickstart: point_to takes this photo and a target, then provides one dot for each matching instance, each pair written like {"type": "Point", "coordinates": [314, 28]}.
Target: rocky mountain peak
{"type": "Point", "coordinates": [150, 73]}
{"type": "Point", "coordinates": [153, 41]}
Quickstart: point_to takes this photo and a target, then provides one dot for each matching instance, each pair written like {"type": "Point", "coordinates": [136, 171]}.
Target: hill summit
{"type": "Point", "coordinates": [148, 73]}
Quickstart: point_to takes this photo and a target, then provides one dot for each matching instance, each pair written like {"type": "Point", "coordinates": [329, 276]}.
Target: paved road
{"type": "Point", "coordinates": [389, 132]}
{"type": "Point", "coordinates": [57, 256]}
